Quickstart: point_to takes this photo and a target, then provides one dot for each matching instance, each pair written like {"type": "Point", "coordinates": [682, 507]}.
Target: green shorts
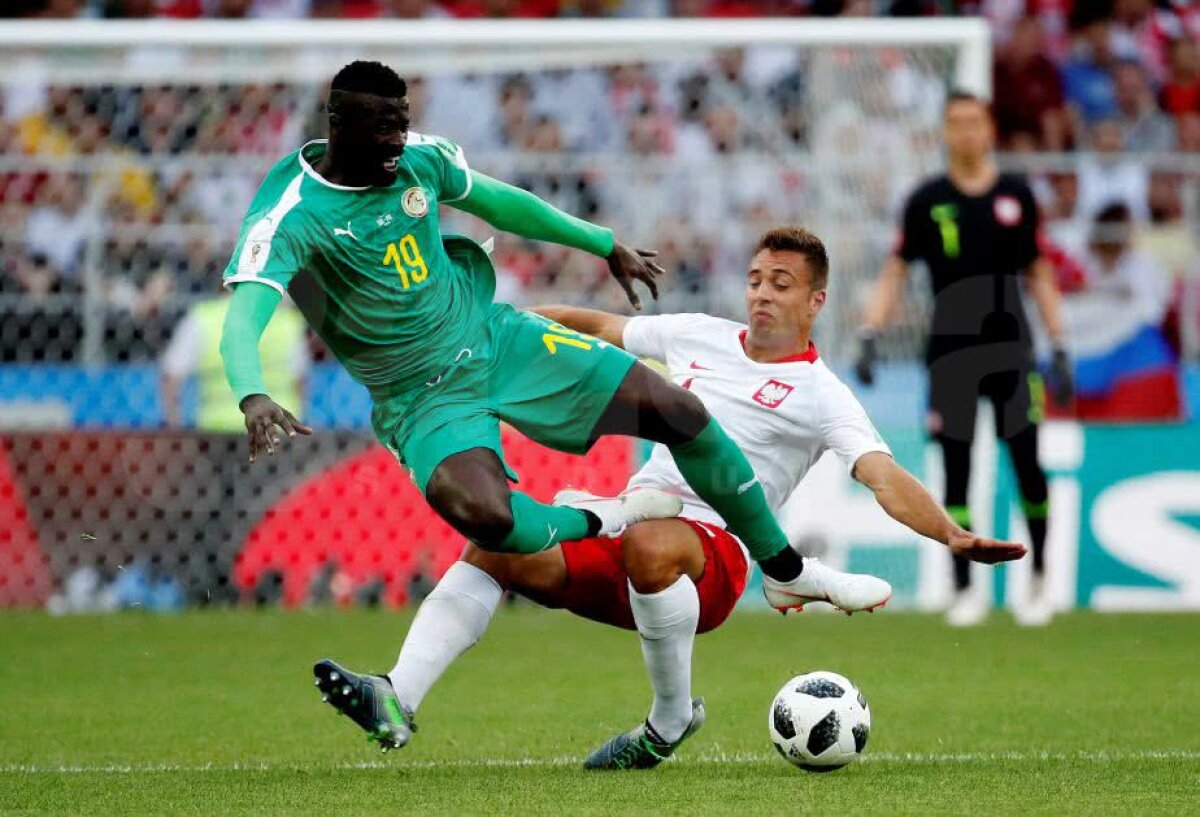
{"type": "Point", "coordinates": [550, 383]}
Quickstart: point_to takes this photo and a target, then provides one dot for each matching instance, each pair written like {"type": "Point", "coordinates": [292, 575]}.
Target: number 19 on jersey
{"type": "Point", "coordinates": [406, 256]}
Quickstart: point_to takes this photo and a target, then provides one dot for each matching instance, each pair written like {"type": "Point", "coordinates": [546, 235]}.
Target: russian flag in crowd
{"type": "Point", "coordinates": [1125, 368]}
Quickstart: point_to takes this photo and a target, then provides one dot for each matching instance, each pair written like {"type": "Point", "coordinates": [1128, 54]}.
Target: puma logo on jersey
{"type": "Point", "coordinates": [772, 394]}
{"type": "Point", "coordinates": [337, 231]}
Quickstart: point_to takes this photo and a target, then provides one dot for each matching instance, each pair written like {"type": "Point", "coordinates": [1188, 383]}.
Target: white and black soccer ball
{"type": "Point", "coordinates": [819, 721]}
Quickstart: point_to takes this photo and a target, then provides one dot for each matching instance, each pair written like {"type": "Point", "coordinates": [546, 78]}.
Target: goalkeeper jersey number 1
{"type": "Point", "coordinates": [367, 265]}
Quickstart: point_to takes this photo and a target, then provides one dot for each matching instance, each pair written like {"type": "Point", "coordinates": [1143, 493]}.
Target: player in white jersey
{"type": "Point", "coordinates": [672, 578]}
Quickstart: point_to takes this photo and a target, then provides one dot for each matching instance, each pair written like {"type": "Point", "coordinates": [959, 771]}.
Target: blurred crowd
{"type": "Point", "coordinates": [409, 9]}
{"type": "Point", "coordinates": [134, 194]}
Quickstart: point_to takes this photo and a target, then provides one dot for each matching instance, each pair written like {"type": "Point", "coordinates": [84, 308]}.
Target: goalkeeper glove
{"type": "Point", "coordinates": [1062, 379]}
{"type": "Point", "coordinates": [864, 365]}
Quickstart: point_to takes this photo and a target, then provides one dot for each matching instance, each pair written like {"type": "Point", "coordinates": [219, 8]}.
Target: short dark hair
{"type": "Point", "coordinates": [1112, 225]}
{"type": "Point", "coordinates": [963, 95]}
{"type": "Point", "coordinates": [369, 77]}
{"type": "Point", "coordinates": [803, 241]}
{"type": "Point", "coordinates": [1086, 14]}
{"type": "Point", "coordinates": [1115, 212]}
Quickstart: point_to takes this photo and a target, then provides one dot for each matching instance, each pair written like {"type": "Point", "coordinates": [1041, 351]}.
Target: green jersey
{"type": "Point", "coordinates": [367, 265]}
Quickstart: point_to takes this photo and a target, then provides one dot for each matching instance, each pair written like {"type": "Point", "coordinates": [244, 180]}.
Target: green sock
{"type": "Point", "coordinates": [718, 472]}
{"type": "Point", "coordinates": [537, 527]}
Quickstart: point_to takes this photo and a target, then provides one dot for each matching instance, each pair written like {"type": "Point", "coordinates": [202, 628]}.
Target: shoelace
{"type": "Point", "coordinates": [642, 745]}
{"type": "Point", "coordinates": [628, 754]}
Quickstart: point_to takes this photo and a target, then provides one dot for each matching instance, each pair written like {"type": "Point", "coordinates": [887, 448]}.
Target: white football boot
{"type": "Point", "coordinates": [968, 609]}
{"type": "Point", "coordinates": [1037, 610]}
{"type": "Point", "coordinates": [849, 592]}
{"type": "Point", "coordinates": [616, 513]}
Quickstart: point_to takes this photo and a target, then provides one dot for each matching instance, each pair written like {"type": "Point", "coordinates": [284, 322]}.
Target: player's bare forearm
{"type": "Point", "coordinates": [886, 294]}
{"type": "Point", "coordinates": [1045, 294]}
{"type": "Point", "coordinates": [603, 325]}
{"type": "Point", "coordinates": [907, 501]}
{"type": "Point", "coordinates": [903, 497]}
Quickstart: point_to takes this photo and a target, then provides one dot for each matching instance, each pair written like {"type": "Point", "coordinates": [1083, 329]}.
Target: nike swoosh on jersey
{"type": "Point", "coordinates": [553, 533]}
{"type": "Point", "coordinates": [746, 486]}
{"type": "Point", "coordinates": [696, 365]}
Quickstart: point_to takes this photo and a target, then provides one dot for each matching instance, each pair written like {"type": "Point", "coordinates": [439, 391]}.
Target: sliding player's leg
{"type": "Point", "coordinates": [713, 465]}
{"type": "Point", "coordinates": [667, 579]}
{"type": "Point", "coordinates": [681, 577]}
{"type": "Point", "coordinates": [647, 405]}
{"type": "Point", "coordinates": [566, 390]}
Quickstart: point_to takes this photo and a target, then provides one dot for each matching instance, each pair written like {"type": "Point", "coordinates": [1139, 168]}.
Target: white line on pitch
{"type": "Point", "coordinates": [928, 758]}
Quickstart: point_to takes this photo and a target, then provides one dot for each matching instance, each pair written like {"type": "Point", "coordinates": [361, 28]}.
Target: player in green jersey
{"type": "Point", "coordinates": [349, 228]}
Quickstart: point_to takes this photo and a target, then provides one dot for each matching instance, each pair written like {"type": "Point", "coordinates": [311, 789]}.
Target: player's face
{"type": "Point", "coordinates": [780, 299]}
{"type": "Point", "coordinates": [968, 130]}
{"type": "Point", "coordinates": [370, 132]}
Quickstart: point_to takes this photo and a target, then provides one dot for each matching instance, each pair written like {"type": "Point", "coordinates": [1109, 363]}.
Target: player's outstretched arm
{"type": "Point", "coordinates": [250, 311]}
{"type": "Point", "coordinates": [906, 500]}
{"type": "Point", "coordinates": [518, 211]}
{"type": "Point", "coordinates": [606, 326]}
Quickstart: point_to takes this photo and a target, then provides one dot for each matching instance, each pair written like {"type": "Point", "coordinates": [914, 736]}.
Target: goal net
{"type": "Point", "coordinates": [130, 151]}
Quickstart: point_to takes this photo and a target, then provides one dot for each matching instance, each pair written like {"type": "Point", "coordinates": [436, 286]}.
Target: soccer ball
{"type": "Point", "coordinates": [819, 721]}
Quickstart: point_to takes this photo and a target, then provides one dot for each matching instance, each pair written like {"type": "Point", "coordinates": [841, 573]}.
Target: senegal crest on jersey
{"type": "Point", "coordinates": [414, 202]}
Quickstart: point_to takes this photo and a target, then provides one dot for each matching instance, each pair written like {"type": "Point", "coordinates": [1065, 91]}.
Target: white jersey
{"type": "Point", "coordinates": [783, 415]}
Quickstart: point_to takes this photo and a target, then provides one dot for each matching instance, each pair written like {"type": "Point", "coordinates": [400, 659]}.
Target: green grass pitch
{"type": "Point", "coordinates": [215, 713]}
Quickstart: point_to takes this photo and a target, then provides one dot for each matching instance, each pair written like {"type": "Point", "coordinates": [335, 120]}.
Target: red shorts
{"type": "Point", "coordinates": [597, 587]}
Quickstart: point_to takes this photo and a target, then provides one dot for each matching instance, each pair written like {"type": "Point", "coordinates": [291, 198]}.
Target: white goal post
{"type": "Point", "coordinates": [540, 42]}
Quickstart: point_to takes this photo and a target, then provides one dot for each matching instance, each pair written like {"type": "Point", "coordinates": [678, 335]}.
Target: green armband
{"type": "Point", "coordinates": [250, 309]}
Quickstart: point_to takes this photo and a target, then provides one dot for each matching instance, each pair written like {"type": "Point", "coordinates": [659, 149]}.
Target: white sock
{"type": "Point", "coordinates": [667, 621]}
{"type": "Point", "coordinates": [450, 620]}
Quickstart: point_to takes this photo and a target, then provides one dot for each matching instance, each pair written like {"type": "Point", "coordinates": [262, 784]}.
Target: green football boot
{"type": "Point", "coordinates": [369, 701]}
{"type": "Point", "coordinates": [641, 747]}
